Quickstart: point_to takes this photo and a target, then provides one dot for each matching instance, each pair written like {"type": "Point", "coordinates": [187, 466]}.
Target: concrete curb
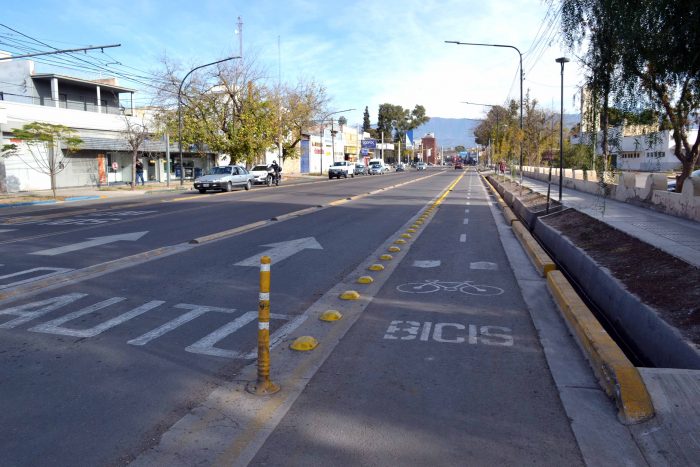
{"type": "Point", "coordinates": [50, 201]}
{"type": "Point", "coordinates": [543, 263]}
{"type": "Point", "coordinates": [663, 345]}
{"type": "Point", "coordinates": [616, 374]}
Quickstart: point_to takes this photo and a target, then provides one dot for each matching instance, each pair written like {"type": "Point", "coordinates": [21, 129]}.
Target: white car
{"type": "Point", "coordinates": [224, 179]}
{"type": "Point", "coordinates": [262, 174]}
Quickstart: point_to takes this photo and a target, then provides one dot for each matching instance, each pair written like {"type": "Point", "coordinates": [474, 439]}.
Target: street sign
{"type": "Point", "coordinates": [369, 143]}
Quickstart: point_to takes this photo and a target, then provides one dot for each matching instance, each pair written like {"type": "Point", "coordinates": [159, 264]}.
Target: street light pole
{"type": "Point", "coordinates": [179, 111]}
{"type": "Point", "coordinates": [521, 89]}
{"type": "Point", "coordinates": [323, 124]}
{"type": "Point", "coordinates": [561, 61]}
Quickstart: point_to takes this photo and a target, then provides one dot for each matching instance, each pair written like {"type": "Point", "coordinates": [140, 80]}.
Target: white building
{"type": "Point", "coordinates": [95, 110]}
{"type": "Point", "coordinates": [636, 150]}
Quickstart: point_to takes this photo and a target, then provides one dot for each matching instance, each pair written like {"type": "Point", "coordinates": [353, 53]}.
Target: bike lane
{"type": "Point", "coordinates": [444, 367]}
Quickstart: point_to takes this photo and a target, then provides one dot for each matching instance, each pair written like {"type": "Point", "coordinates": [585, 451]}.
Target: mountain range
{"type": "Point", "coordinates": [451, 132]}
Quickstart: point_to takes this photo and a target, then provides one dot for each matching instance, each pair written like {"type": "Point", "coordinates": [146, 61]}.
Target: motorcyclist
{"type": "Point", "coordinates": [276, 169]}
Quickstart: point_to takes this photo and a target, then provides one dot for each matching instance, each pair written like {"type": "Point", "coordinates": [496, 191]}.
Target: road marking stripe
{"type": "Point", "coordinates": [466, 221]}
{"type": "Point", "coordinates": [463, 238]}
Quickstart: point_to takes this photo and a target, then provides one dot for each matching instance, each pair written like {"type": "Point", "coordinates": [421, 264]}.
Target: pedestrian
{"type": "Point", "coordinates": [139, 172]}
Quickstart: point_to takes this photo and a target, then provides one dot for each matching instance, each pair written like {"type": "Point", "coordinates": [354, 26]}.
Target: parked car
{"type": "Point", "coordinates": [262, 174]}
{"type": "Point", "coordinates": [376, 169]}
{"type": "Point", "coordinates": [420, 166]}
{"type": "Point", "coordinates": [360, 169]}
{"type": "Point", "coordinates": [224, 179]}
{"type": "Point", "coordinates": [672, 183]}
{"type": "Point", "coordinates": [400, 167]}
{"type": "Point", "coordinates": [341, 169]}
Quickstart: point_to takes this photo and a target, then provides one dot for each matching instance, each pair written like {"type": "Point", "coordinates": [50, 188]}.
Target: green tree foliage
{"type": "Point", "coordinates": [366, 125]}
{"type": "Point", "coordinates": [642, 54]}
{"type": "Point", "coordinates": [44, 141]}
{"type": "Point", "coordinates": [393, 121]}
{"type": "Point", "coordinates": [229, 109]}
{"type": "Point", "coordinates": [460, 148]}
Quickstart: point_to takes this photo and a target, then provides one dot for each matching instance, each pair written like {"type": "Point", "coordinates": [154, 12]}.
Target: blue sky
{"type": "Point", "coordinates": [364, 52]}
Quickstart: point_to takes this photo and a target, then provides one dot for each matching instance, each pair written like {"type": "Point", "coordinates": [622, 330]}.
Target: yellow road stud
{"type": "Point", "coordinates": [350, 295]}
{"type": "Point", "coordinates": [330, 315]}
{"type": "Point", "coordinates": [365, 280]}
{"type": "Point", "coordinates": [411, 230]}
{"type": "Point", "coordinates": [394, 249]}
{"type": "Point", "coordinates": [399, 241]}
{"type": "Point", "coordinates": [304, 343]}
{"type": "Point", "coordinates": [376, 267]}
{"type": "Point", "coordinates": [386, 257]}
{"type": "Point", "coordinates": [406, 235]}
{"type": "Point", "coordinates": [415, 226]}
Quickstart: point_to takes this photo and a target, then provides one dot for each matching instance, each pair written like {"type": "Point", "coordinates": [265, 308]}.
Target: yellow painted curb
{"type": "Point", "coordinates": [616, 374]}
{"type": "Point", "coordinates": [386, 257]}
{"type": "Point", "coordinates": [365, 280]}
{"type": "Point", "coordinates": [400, 241]}
{"type": "Point", "coordinates": [304, 343]}
{"type": "Point", "coordinates": [394, 249]}
{"type": "Point", "coordinates": [376, 267]}
{"type": "Point", "coordinates": [330, 315]}
{"type": "Point", "coordinates": [350, 295]}
{"type": "Point", "coordinates": [543, 263]}
{"type": "Point", "coordinates": [509, 215]}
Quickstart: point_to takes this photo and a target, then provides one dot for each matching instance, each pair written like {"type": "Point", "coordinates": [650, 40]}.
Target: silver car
{"type": "Point", "coordinates": [224, 179]}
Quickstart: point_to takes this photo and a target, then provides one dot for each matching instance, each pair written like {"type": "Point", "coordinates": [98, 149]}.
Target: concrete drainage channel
{"type": "Point", "coordinates": [618, 377]}
{"type": "Point", "coordinates": [203, 436]}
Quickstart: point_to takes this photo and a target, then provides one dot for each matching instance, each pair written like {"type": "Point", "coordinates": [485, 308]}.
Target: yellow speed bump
{"type": "Point", "coordinates": [386, 257]}
{"type": "Point", "coordinates": [400, 241]}
{"type": "Point", "coordinates": [330, 315]}
{"type": "Point", "coordinates": [394, 249]}
{"type": "Point", "coordinates": [376, 267]}
{"type": "Point", "coordinates": [304, 344]}
{"type": "Point", "coordinates": [365, 280]}
{"type": "Point", "coordinates": [350, 295]}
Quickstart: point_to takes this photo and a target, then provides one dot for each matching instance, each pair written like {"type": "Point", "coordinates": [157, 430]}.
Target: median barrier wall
{"type": "Point", "coordinates": [641, 189]}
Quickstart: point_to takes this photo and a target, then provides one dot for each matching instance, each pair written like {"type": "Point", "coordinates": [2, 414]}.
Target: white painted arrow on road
{"type": "Point", "coordinates": [95, 241]}
{"type": "Point", "coordinates": [283, 250]}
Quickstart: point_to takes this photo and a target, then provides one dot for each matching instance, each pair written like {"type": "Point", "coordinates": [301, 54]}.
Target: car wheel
{"type": "Point", "coordinates": [352, 176]}
{"type": "Point", "coordinates": [247, 185]}
{"type": "Point", "coordinates": [202, 191]}
{"type": "Point", "coordinates": [330, 177]}
{"type": "Point", "coordinates": [228, 187]}
{"type": "Point", "coordinates": [345, 175]}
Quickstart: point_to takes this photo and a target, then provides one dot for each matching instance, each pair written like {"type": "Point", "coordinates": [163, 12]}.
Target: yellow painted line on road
{"type": "Point", "coordinates": [616, 374]}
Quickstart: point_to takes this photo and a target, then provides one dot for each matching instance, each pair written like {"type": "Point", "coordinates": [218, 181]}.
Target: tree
{"type": "Point", "coordinates": [647, 60]}
{"type": "Point", "coordinates": [366, 125]}
{"type": "Point", "coordinates": [394, 121]}
{"type": "Point", "coordinates": [135, 134]}
{"type": "Point", "coordinates": [460, 148]}
{"type": "Point", "coordinates": [43, 141]}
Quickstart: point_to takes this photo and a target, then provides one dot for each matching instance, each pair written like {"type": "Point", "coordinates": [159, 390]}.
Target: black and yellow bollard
{"type": "Point", "coordinates": [264, 385]}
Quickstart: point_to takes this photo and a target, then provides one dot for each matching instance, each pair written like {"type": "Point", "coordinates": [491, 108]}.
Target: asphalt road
{"type": "Point", "coordinates": [97, 367]}
{"type": "Point", "coordinates": [444, 367]}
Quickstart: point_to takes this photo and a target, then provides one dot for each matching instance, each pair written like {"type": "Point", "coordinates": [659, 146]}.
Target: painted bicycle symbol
{"type": "Point", "coordinates": [467, 287]}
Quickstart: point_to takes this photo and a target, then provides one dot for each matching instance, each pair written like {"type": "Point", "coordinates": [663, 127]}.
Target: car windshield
{"type": "Point", "coordinates": [375, 164]}
{"type": "Point", "coordinates": [259, 167]}
{"type": "Point", "coordinates": [336, 164]}
{"type": "Point", "coordinates": [220, 171]}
